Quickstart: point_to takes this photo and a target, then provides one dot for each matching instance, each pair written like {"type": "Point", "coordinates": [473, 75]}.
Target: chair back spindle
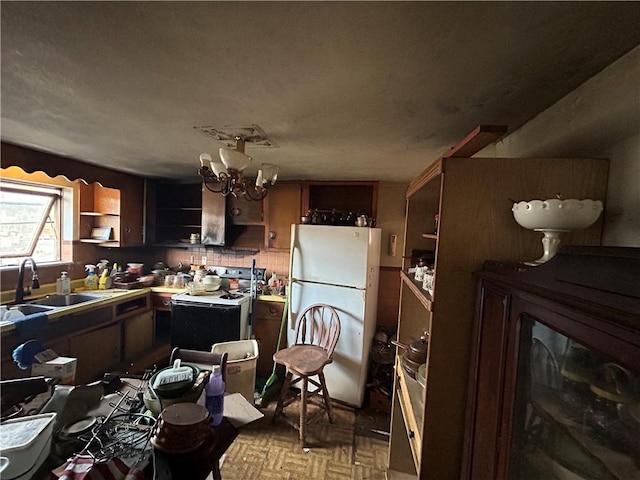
{"type": "Point", "coordinates": [319, 325]}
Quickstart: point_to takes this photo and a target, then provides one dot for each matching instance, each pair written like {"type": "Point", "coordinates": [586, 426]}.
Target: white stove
{"type": "Point", "coordinates": [219, 297]}
{"type": "Point", "coordinates": [200, 321]}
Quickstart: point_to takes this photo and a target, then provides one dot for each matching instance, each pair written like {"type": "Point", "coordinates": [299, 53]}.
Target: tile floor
{"type": "Point", "coordinates": [350, 448]}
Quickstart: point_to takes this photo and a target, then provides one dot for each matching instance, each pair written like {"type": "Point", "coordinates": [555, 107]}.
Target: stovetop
{"type": "Point", "coordinates": [219, 297]}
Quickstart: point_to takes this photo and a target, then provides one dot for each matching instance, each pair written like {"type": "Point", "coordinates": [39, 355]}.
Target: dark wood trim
{"type": "Point", "coordinates": [54, 165]}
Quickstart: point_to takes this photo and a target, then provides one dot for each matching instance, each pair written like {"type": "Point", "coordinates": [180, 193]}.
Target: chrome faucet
{"type": "Point", "coordinates": [35, 283]}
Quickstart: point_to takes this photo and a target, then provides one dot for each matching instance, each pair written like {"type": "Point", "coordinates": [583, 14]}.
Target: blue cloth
{"type": "Point", "coordinates": [24, 355]}
{"type": "Point", "coordinates": [31, 325]}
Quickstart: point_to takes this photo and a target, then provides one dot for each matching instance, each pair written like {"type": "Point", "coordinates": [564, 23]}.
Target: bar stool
{"type": "Point", "coordinates": [317, 332]}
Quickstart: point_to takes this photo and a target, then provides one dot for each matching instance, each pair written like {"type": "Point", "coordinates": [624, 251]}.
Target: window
{"type": "Point", "coordinates": [30, 223]}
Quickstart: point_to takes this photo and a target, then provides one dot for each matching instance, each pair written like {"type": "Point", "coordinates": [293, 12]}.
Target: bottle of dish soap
{"type": "Point", "coordinates": [105, 281]}
{"type": "Point", "coordinates": [91, 282]}
{"type": "Point", "coordinates": [214, 400]}
{"type": "Point", "coordinates": [63, 284]}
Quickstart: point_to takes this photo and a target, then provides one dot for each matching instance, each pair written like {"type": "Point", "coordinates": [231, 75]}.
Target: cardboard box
{"type": "Point", "coordinates": [63, 368]}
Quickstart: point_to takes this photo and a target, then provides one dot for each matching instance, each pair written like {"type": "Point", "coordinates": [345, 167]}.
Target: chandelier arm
{"type": "Point", "coordinates": [255, 193]}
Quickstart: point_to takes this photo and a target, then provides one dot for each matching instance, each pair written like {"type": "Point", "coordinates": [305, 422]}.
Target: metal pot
{"type": "Point", "coordinates": [416, 351]}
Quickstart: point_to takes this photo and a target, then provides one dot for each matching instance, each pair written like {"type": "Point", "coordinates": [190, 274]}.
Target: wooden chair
{"type": "Point", "coordinates": [317, 332]}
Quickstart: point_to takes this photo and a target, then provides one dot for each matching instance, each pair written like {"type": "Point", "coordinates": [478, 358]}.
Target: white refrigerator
{"type": "Point", "coordinates": [338, 266]}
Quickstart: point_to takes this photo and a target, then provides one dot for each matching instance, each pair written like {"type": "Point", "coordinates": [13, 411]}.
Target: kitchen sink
{"type": "Point", "coordinates": [64, 300]}
{"type": "Point", "coordinates": [28, 309]}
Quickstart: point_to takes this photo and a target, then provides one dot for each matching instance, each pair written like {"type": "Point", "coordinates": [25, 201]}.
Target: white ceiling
{"type": "Point", "coordinates": [345, 90]}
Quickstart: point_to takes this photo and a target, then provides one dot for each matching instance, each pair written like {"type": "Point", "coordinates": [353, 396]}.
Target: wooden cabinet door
{"type": "Point", "coordinates": [161, 301]}
{"type": "Point", "coordinates": [132, 212]}
{"type": "Point", "coordinates": [266, 328]}
{"type": "Point", "coordinates": [487, 381]}
{"type": "Point", "coordinates": [97, 352]}
{"type": "Point", "coordinates": [283, 209]}
{"type": "Point", "coordinates": [138, 335]}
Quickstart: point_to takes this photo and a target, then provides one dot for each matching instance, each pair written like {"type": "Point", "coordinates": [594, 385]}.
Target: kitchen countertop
{"type": "Point", "coordinates": [272, 298]}
{"type": "Point", "coordinates": [105, 297]}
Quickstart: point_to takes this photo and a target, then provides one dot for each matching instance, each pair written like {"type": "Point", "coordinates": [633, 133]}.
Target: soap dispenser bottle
{"type": "Point", "coordinates": [63, 284]}
{"type": "Point", "coordinates": [91, 282]}
{"type": "Point", "coordinates": [105, 280]}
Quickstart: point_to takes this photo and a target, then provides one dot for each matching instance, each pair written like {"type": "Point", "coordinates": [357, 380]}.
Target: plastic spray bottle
{"type": "Point", "coordinates": [105, 280]}
{"type": "Point", "coordinates": [91, 282]}
{"type": "Point", "coordinates": [215, 395]}
{"type": "Point", "coordinates": [63, 284]}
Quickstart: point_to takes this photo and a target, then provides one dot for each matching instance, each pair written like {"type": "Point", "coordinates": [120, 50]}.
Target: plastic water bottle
{"type": "Point", "coordinates": [215, 395]}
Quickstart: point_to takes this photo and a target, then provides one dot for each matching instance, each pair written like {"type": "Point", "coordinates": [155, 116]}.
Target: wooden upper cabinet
{"type": "Point", "coordinates": [283, 208]}
{"type": "Point", "coordinates": [109, 216]}
{"type": "Point", "coordinates": [132, 213]}
{"type": "Point", "coordinates": [343, 197]}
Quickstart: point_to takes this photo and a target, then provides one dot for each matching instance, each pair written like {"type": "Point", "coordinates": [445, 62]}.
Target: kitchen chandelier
{"type": "Point", "coordinates": [226, 176]}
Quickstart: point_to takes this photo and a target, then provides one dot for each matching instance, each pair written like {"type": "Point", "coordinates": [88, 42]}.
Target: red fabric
{"type": "Point", "coordinates": [82, 467]}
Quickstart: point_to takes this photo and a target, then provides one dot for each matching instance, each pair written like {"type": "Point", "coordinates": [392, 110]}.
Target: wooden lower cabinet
{"type": "Point", "coordinates": [138, 335]}
{"type": "Point", "coordinates": [97, 352]}
{"type": "Point", "coordinates": [161, 304]}
{"type": "Point", "coordinates": [266, 328]}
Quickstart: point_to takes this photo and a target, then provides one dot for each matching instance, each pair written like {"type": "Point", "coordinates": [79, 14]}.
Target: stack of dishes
{"type": "Point", "coordinates": [182, 428]}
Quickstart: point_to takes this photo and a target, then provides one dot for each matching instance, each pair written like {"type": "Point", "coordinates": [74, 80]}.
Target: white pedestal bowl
{"type": "Point", "coordinates": [554, 216]}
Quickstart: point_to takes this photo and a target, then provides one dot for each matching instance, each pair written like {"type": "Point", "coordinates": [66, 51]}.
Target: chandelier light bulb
{"type": "Point", "coordinates": [217, 167]}
{"type": "Point", "coordinates": [205, 159]}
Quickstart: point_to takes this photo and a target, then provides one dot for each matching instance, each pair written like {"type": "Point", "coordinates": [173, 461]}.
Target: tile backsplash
{"type": "Point", "coordinates": [272, 261]}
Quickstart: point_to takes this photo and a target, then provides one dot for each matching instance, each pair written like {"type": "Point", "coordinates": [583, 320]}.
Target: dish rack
{"type": "Point", "coordinates": [125, 433]}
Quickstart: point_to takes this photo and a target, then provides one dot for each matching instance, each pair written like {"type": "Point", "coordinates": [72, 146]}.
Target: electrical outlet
{"type": "Point", "coordinates": [204, 260]}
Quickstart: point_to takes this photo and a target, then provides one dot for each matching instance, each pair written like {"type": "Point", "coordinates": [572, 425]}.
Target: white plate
{"type": "Point", "coordinates": [80, 426]}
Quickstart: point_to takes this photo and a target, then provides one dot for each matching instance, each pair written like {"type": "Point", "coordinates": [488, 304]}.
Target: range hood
{"type": "Point", "coordinates": [213, 218]}
{"type": "Point", "coordinates": [231, 222]}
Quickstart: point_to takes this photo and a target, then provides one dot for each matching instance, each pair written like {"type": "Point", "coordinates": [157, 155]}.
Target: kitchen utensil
{"type": "Point", "coordinates": [409, 366]}
{"type": "Point", "coordinates": [156, 404]}
{"type": "Point", "coordinates": [147, 280]}
{"type": "Point", "coordinates": [159, 266]}
{"type": "Point", "coordinates": [184, 380]}
{"type": "Point", "coordinates": [212, 283]}
{"type": "Point", "coordinates": [416, 351]}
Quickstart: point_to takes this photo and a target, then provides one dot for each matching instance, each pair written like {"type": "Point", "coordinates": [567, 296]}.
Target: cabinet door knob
{"type": "Point", "coordinates": [272, 235]}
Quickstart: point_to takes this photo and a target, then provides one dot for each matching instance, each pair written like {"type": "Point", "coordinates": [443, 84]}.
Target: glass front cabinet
{"type": "Point", "coordinates": [555, 377]}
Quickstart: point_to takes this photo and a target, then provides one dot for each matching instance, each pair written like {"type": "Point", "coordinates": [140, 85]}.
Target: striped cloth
{"type": "Point", "coordinates": [83, 467]}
